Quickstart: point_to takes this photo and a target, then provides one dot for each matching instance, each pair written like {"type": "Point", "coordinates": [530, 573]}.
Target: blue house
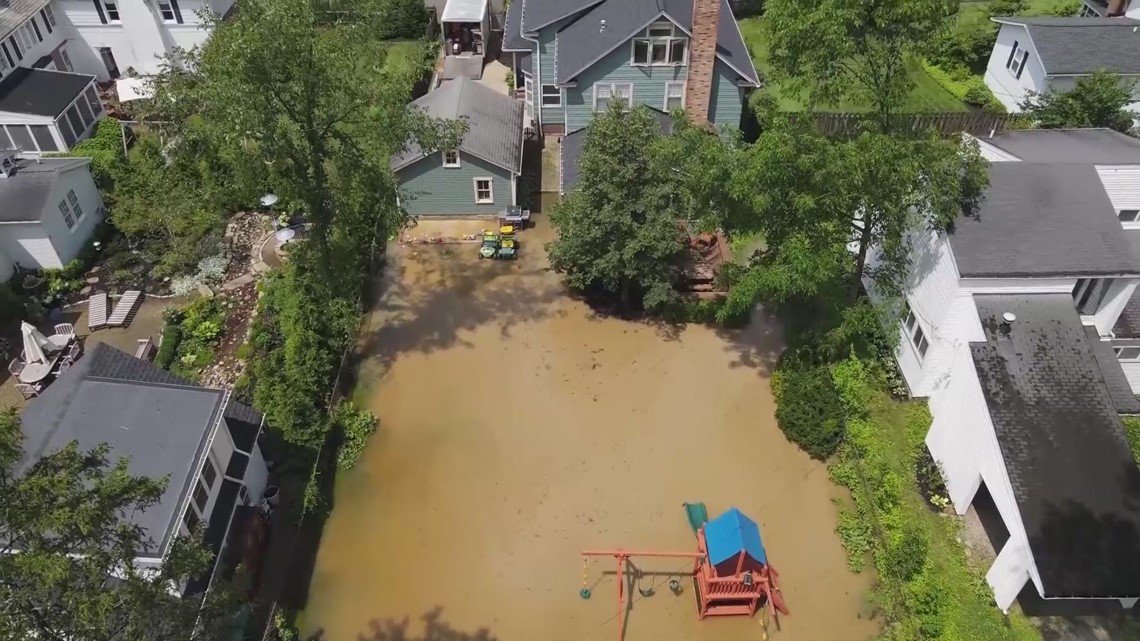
{"type": "Point", "coordinates": [573, 57]}
{"type": "Point", "coordinates": [480, 177]}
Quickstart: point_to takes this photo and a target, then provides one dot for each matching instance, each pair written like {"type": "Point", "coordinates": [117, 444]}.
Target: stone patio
{"type": "Point", "coordinates": [147, 323]}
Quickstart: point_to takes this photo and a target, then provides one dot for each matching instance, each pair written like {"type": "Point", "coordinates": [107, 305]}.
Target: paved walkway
{"type": "Point", "coordinates": [495, 76]}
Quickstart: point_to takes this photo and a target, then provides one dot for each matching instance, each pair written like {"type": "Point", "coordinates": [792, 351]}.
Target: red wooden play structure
{"type": "Point", "coordinates": [730, 569]}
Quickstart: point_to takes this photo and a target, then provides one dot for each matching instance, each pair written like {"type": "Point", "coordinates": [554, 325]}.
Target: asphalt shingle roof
{"type": "Point", "coordinates": [574, 142]}
{"type": "Point", "coordinates": [24, 194]}
{"type": "Point", "coordinates": [41, 92]}
{"type": "Point", "coordinates": [1117, 383]}
{"type": "Point", "coordinates": [1083, 45]}
{"type": "Point", "coordinates": [494, 122]}
{"type": "Point", "coordinates": [537, 14]}
{"type": "Point", "coordinates": [1043, 220]}
{"type": "Point", "coordinates": [1075, 482]}
{"type": "Point", "coordinates": [145, 414]}
{"type": "Point", "coordinates": [512, 29]}
{"type": "Point", "coordinates": [1093, 146]}
{"type": "Point", "coordinates": [584, 41]}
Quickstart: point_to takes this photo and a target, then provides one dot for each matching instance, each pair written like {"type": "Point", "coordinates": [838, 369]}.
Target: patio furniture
{"type": "Point", "coordinates": [146, 349]}
{"type": "Point", "coordinates": [36, 372]}
{"type": "Point", "coordinates": [97, 311]}
{"type": "Point", "coordinates": [65, 328]}
{"type": "Point", "coordinates": [15, 367]}
{"type": "Point", "coordinates": [28, 391]}
{"type": "Point", "coordinates": [36, 345]}
{"type": "Point", "coordinates": [125, 309]}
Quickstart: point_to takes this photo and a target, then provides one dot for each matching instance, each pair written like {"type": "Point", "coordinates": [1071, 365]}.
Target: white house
{"type": "Point", "coordinates": [48, 211]}
{"type": "Point", "coordinates": [1008, 332]}
{"type": "Point", "coordinates": [1038, 55]}
{"type": "Point", "coordinates": [119, 36]}
{"type": "Point", "coordinates": [202, 439]}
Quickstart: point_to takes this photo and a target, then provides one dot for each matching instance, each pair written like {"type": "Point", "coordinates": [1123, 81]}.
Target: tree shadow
{"type": "Point", "coordinates": [434, 629]}
{"type": "Point", "coordinates": [430, 295]}
{"type": "Point", "coordinates": [758, 345]}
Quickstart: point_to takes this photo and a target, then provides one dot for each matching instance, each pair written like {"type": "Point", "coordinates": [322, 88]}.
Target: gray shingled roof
{"type": "Point", "coordinates": [464, 11]}
{"type": "Point", "coordinates": [17, 13]}
{"type": "Point", "coordinates": [1043, 220]}
{"type": "Point", "coordinates": [145, 414]}
{"type": "Point", "coordinates": [24, 194]}
{"type": "Point", "coordinates": [584, 42]}
{"type": "Point", "coordinates": [1093, 146]}
{"type": "Point", "coordinates": [1116, 382]}
{"type": "Point", "coordinates": [494, 122]}
{"type": "Point", "coordinates": [537, 14]}
{"type": "Point", "coordinates": [1083, 45]}
{"type": "Point", "coordinates": [462, 67]}
{"type": "Point", "coordinates": [1076, 485]}
{"type": "Point", "coordinates": [512, 29]}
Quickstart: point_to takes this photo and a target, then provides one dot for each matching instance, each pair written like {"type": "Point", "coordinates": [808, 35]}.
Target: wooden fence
{"type": "Point", "coordinates": [972, 122]}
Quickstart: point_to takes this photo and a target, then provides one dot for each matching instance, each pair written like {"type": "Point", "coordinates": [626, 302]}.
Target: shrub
{"type": "Point", "coordinates": [171, 337]}
{"type": "Point", "coordinates": [510, 80]}
{"type": "Point", "coordinates": [402, 20]}
{"type": "Point", "coordinates": [809, 410]}
{"type": "Point", "coordinates": [11, 303]}
{"type": "Point", "coordinates": [105, 149]}
{"type": "Point", "coordinates": [1132, 430]}
{"type": "Point", "coordinates": [356, 426]}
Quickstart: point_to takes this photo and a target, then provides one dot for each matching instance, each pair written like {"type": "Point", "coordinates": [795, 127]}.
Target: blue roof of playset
{"type": "Point", "coordinates": [732, 533]}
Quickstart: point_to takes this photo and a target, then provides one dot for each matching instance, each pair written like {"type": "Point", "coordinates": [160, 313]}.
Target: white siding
{"type": "Point", "coordinates": [223, 448]}
{"type": "Point", "coordinates": [1007, 88]}
{"type": "Point", "coordinates": [1018, 285]}
{"type": "Point", "coordinates": [69, 242]}
{"type": "Point", "coordinates": [1122, 184]}
{"type": "Point", "coordinates": [1115, 300]}
{"type": "Point", "coordinates": [1132, 373]}
{"type": "Point", "coordinates": [29, 245]}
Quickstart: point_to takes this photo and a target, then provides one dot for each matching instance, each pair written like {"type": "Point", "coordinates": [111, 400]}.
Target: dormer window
{"type": "Point", "coordinates": [662, 44]}
{"type": "Point", "coordinates": [451, 158]}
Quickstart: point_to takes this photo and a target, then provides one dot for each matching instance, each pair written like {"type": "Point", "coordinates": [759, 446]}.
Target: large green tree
{"type": "Point", "coordinates": [67, 552]}
{"type": "Point", "coordinates": [617, 230]}
{"type": "Point", "coordinates": [315, 103]}
{"type": "Point", "coordinates": [854, 48]}
{"type": "Point", "coordinates": [1099, 100]}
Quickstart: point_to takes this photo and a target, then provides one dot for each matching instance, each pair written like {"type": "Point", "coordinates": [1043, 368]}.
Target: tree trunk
{"type": "Point", "coordinates": [860, 261]}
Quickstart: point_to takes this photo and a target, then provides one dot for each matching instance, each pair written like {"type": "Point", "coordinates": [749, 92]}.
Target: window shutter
{"type": "Point", "coordinates": [47, 23]}
{"type": "Point", "coordinates": [36, 27]}
{"type": "Point", "coordinates": [1021, 67]}
{"type": "Point", "coordinates": [16, 48]}
{"type": "Point", "coordinates": [99, 8]}
{"type": "Point", "coordinates": [177, 11]}
{"type": "Point", "coordinates": [7, 54]}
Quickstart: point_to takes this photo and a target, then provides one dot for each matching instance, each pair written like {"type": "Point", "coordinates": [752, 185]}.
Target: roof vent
{"type": "Point", "coordinates": [1007, 320]}
{"type": "Point", "coordinates": [603, 27]}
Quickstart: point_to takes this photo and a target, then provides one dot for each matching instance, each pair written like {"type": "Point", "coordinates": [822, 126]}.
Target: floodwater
{"type": "Point", "coordinates": [517, 428]}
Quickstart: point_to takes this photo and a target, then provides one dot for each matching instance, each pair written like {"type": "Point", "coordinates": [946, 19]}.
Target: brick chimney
{"type": "Point", "coordinates": [702, 58]}
{"type": "Point", "coordinates": [1116, 8]}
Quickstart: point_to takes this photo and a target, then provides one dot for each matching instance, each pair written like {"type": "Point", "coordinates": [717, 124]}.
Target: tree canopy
{"type": "Point", "coordinates": [854, 48]}
{"type": "Point", "coordinates": [1099, 100]}
{"type": "Point", "coordinates": [617, 230]}
{"type": "Point", "coordinates": [67, 553]}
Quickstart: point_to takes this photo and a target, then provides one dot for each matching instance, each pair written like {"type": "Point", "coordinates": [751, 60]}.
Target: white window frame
{"type": "Point", "coordinates": [65, 212]}
{"type": "Point", "coordinates": [490, 190]}
{"type": "Point", "coordinates": [108, 7]}
{"type": "Point", "coordinates": [669, 86]}
{"type": "Point", "coordinates": [557, 96]}
{"type": "Point", "coordinates": [66, 58]}
{"type": "Point", "coordinates": [914, 333]}
{"type": "Point", "coordinates": [1133, 352]}
{"type": "Point", "coordinates": [613, 92]}
{"type": "Point", "coordinates": [165, 6]}
{"type": "Point", "coordinates": [76, 210]}
{"type": "Point", "coordinates": [1017, 60]}
{"type": "Point", "coordinates": [447, 163]}
{"type": "Point", "coordinates": [649, 40]}
{"type": "Point", "coordinates": [200, 483]}
{"type": "Point", "coordinates": [49, 15]}
{"type": "Point", "coordinates": [1128, 215]}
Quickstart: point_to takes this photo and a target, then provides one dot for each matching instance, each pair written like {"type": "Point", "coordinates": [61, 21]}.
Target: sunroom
{"type": "Point", "coordinates": [43, 111]}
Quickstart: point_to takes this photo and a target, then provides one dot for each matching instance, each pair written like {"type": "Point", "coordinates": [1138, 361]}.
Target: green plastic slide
{"type": "Point", "coordinates": [697, 514]}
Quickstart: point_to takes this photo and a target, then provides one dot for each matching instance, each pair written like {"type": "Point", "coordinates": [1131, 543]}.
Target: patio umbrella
{"type": "Point", "coordinates": [34, 343]}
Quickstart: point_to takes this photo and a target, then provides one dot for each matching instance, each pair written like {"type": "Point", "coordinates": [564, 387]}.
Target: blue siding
{"type": "Point", "coordinates": [547, 48]}
{"type": "Point", "coordinates": [429, 188]}
{"type": "Point", "coordinates": [648, 84]}
{"type": "Point", "coordinates": [727, 102]}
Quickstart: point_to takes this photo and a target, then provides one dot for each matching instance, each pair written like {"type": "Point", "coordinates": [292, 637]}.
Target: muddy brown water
{"type": "Point", "coordinates": [517, 428]}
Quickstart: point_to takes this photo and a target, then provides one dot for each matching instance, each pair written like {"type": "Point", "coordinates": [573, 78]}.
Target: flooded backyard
{"type": "Point", "coordinates": [518, 428]}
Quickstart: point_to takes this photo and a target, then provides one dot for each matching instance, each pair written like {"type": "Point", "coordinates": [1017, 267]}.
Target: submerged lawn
{"type": "Point", "coordinates": [927, 96]}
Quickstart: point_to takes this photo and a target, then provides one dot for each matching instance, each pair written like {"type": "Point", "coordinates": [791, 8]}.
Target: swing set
{"type": "Point", "coordinates": [730, 569]}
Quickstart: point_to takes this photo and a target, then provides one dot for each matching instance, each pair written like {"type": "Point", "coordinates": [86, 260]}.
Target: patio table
{"type": "Point", "coordinates": [36, 372]}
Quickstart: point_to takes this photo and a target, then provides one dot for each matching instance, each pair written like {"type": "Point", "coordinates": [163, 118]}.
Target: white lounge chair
{"type": "Point", "coordinates": [125, 309]}
{"type": "Point", "coordinates": [97, 311]}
